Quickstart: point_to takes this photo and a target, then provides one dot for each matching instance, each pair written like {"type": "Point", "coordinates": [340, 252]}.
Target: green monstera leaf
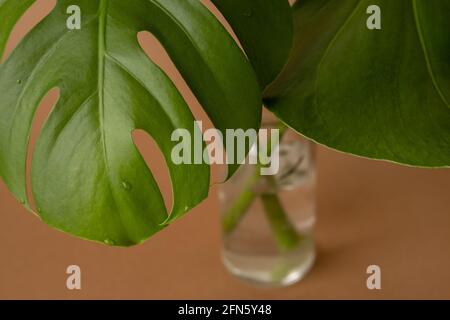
{"type": "Point", "coordinates": [382, 94]}
{"type": "Point", "coordinates": [265, 30]}
{"type": "Point", "coordinates": [88, 178]}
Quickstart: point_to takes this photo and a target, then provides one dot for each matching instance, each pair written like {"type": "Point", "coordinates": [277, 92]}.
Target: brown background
{"type": "Point", "coordinates": [368, 213]}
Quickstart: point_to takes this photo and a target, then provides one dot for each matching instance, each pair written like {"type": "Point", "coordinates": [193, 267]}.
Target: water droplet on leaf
{"type": "Point", "coordinates": [126, 185]}
{"type": "Point", "coordinates": [109, 242]}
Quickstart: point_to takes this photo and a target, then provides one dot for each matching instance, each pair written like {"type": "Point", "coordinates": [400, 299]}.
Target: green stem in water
{"type": "Point", "coordinates": [238, 209]}
{"type": "Point", "coordinates": [284, 233]}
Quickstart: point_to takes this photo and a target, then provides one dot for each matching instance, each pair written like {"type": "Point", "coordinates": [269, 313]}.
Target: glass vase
{"type": "Point", "coordinates": [267, 220]}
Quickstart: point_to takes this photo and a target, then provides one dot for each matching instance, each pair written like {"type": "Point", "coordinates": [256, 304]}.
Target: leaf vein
{"type": "Point", "coordinates": [426, 54]}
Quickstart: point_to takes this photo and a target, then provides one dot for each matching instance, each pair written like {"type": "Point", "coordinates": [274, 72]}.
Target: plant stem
{"type": "Point", "coordinates": [285, 234]}
{"type": "Point", "coordinates": [239, 208]}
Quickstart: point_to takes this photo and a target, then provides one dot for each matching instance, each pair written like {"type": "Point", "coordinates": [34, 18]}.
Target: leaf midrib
{"type": "Point", "coordinates": [101, 72]}
{"type": "Point", "coordinates": [102, 25]}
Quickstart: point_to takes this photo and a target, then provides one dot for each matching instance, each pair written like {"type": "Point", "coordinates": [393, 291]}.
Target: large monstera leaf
{"type": "Point", "coordinates": [88, 178]}
{"type": "Point", "coordinates": [382, 94]}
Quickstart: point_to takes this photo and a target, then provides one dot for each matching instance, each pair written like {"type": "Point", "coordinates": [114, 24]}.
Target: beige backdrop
{"type": "Point", "coordinates": [368, 213]}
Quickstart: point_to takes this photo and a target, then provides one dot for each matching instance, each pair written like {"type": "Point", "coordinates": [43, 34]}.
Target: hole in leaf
{"type": "Point", "coordinates": [211, 7]}
{"type": "Point", "coordinates": [35, 14]}
{"type": "Point", "coordinates": [40, 117]}
{"type": "Point", "coordinates": [156, 52]}
{"type": "Point", "coordinates": [156, 162]}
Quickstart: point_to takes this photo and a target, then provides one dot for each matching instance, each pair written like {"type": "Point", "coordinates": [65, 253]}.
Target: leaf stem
{"type": "Point", "coordinates": [239, 208]}
{"type": "Point", "coordinates": [284, 232]}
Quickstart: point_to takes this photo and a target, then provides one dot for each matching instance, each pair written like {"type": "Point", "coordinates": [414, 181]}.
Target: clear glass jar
{"type": "Point", "coordinates": [267, 221]}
